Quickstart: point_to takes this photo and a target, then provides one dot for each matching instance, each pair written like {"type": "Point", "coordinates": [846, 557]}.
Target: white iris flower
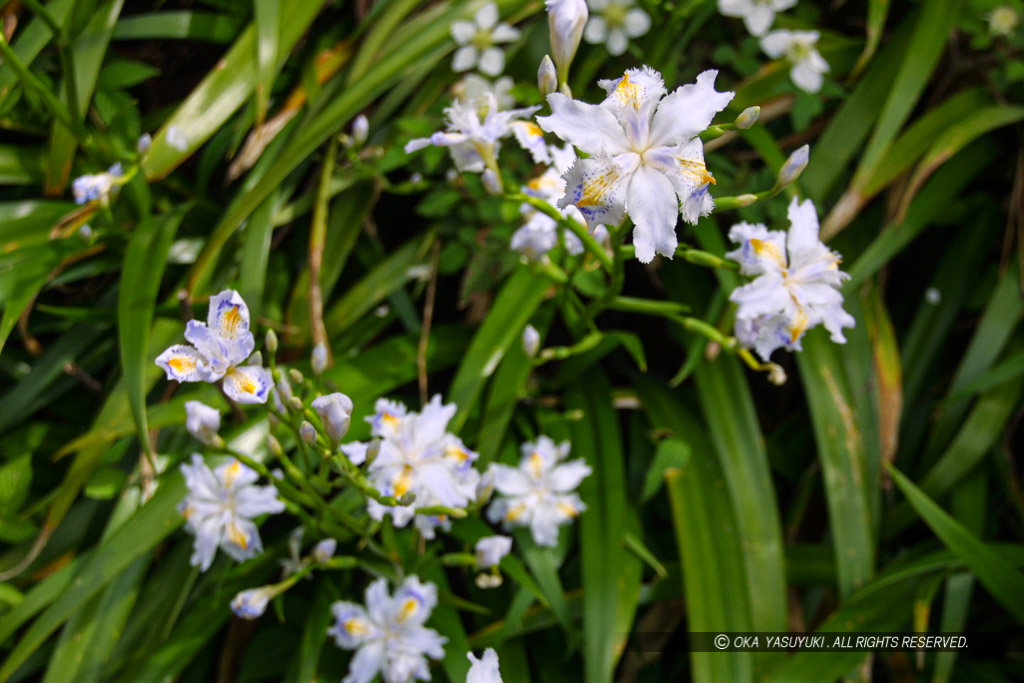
{"type": "Point", "coordinates": [796, 285]}
{"type": "Point", "coordinates": [758, 15]}
{"type": "Point", "coordinates": [478, 40]}
{"type": "Point", "coordinates": [614, 22]}
{"type": "Point", "coordinates": [218, 349]}
{"type": "Point", "coordinates": [388, 634]}
{"type": "Point", "coordinates": [539, 493]}
{"type": "Point", "coordinates": [417, 456]}
{"type": "Point", "coordinates": [219, 509]}
{"type": "Point", "coordinates": [645, 158]}
{"type": "Point", "coordinates": [474, 130]}
{"type": "Point", "coordinates": [798, 47]}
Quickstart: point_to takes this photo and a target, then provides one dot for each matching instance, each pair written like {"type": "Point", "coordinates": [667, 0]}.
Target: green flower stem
{"type": "Point", "coordinates": [442, 510]}
{"type": "Point", "coordinates": [690, 255]}
{"type": "Point", "coordinates": [631, 304]}
{"type": "Point", "coordinates": [284, 487]}
{"type": "Point", "coordinates": [458, 560]}
{"type": "Point", "coordinates": [589, 243]}
{"type": "Point", "coordinates": [562, 352]}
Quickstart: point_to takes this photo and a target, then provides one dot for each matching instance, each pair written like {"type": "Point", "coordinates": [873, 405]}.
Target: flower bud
{"type": "Point", "coordinates": [566, 19]}
{"type": "Point", "coordinates": [274, 445]}
{"type": "Point", "coordinates": [491, 549]}
{"type": "Point", "coordinates": [794, 166]}
{"type": "Point", "coordinates": [318, 361]}
{"type": "Point", "coordinates": [335, 411]}
{"type": "Point", "coordinates": [85, 231]}
{"type": "Point", "coordinates": [487, 580]}
{"type": "Point", "coordinates": [256, 359]}
{"type": "Point", "coordinates": [271, 339]}
{"type": "Point", "coordinates": [360, 130]}
{"type": "Point", "coordinates": [144, 143]}
{"type": "Point", "coordinates": [748, 117]}
{"type": "Point", "coordinates": [324, 550]}
{"type": "Point", "coordinates": [296, 376]}
{"type": "Point", "coordinates": [284, 391]}
{"type": "Point", "coordinates": [408, 499]}
{"type": "Point", "coordinates": [746, 199]}
{"type": "Point", "coordinates": [491, 182]}
{"type": "Point", "coordinates": [776, 375]}
{"type": "Point", "coordinates": [295, 403]}
{"type": "Point", "coordinates": [251, 604]}
{"type": "Point", "coordinates": [547, 78]}
{"type": "Point", "coordinates": [308, 432]}
{"type": "Point", "coordinates": [531, 341]}
{"type": "Point", "coordinates": [203, 422]}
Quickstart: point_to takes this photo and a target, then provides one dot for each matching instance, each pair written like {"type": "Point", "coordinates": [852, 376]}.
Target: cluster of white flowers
{"type": "Point", "coordinates": [796, 285]}
{"type": "Point", "coordinates": [797, 47]}
{"type": "Point", "coordinates": [644, 156]}
{"type": "Point", "coordinates": [414, 457]}
{"type": "Point", "coordinates": [218, 349]}
{"type": "Point", "coordinates": [478, 42]}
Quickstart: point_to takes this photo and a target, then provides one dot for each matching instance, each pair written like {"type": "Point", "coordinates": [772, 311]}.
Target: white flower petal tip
{"type": "Point", "coordinates": [388, 634]}
{"type": "Point", "coordinates": [491, 549]}
{"type": "Point", "coordinates": [485, 669]}
{"type": "Point", "coordinates": [796, 287]}
{"type": "Point", "coordinates": [540, 493]}
{"type": "Point", "coordinates": [219, 509]}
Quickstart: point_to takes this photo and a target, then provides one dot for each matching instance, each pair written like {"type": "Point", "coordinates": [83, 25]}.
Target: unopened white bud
{"type": "Point", "coordinates": [566, 19]}
{"type": "Point", "coordinates": [324, 550]}
{"type": "Point", "coordinates": [144, 143]}
{"type": "Point", "coordinates": [271, 339]}
{"type": "Point", "coordinates": [256, 359]}
{"type": "Point", "coordinates": [274, 445]}
{"type": "Point", "coordinates": [531, 341]}
{"type": "Point", "coordinates": [296, 376]}
{"type": "Point", "coordinates": [318, 361]}
{"type": "Point", "coordinates": [360, 130]}
{"type": "Point", "coordinates": [308, 432]}
{"type": "Point", "coordinates": [547, 77]}
{"type": "Point", "coordinates": [748, 117]}
{"type": "Point", "coordinates": [295, 403]}
{"type": "Point", "coordinates": [794, 166]}
{"type": "Point", "coordinates": [335, 411]}
{"type": "Point", "coordinates": [776, 375]}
